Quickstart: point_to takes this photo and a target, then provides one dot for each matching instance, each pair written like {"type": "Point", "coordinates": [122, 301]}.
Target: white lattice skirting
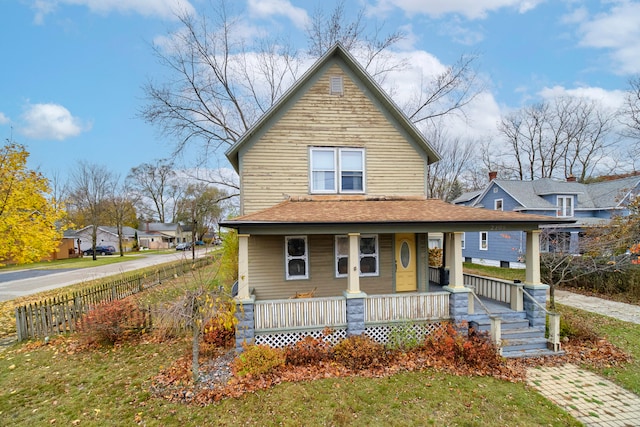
{"type": "Point", "coordinates": [379, 333]}
{"type": "Point", "coordinates": [284, 339]}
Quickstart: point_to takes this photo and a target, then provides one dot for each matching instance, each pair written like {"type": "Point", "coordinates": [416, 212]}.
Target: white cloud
{"type": "Point", "coordinates": [471, 9]}
{"type": "Point", "coordinates": [610, 99]}
{"type": "Point", "coordinates": [161, 8]}
{"type": "Point", "coordinates": [50, 121]}
{"type": "Point", "coordinates": [617, 31]}
{"type": "Point", "coordinates": [269, 8]}
{"type": "Point", "coordinates": [4, 119]}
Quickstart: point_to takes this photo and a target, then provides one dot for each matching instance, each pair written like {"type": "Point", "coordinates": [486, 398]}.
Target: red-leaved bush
{"type": "Point", "coordinates": [110, 322]}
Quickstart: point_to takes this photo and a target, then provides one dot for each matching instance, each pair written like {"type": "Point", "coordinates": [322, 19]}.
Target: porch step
{"type": "Point", "coordinates": [525, 332]}
{"type": "Point", "coordinates": [540, 352]}
{"type": "Point", "coordinates": [519, 344]}
{"type": "Point", "coordinates": [508, 323]}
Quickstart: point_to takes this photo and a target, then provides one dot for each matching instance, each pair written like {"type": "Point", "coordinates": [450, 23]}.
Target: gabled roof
{"type": "Point", "coordinates": [126, 231]}
{"type": "Point", "coordinates": [599, 195]}
{"type": "Point", "coordinates": [467, 197]}
{"type": "Point", "coordinates": [375, 91]}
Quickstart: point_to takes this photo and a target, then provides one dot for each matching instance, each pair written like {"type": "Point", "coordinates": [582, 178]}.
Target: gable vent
{"type": "Point", "coordinates": [336, 86]}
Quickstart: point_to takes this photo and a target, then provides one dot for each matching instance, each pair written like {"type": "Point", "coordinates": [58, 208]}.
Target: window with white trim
{"type": "Point", "coordinates": [367, 253]}
{"type": "Point", "coordinates": [462, 239]}
{"type": "Point", "coordinates": [336, 170]}
{"type": "Point", "coordinates": [565, 206]}
{"type": "Point", "coordinates": [296, 257]}
{"type": "Point", "coordinates": [484, 241]}
{"type": "Point", "coordinates": [497, 204]}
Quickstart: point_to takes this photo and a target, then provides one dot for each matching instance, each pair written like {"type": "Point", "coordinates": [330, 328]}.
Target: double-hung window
{"type": "Point", "coordinates": [337, 170]}
{"type": "Point", "coordinates": [367, 254]}
{"type": "Point", "coordinates": [296, 257]}
{"type": "Point", "coordinates": [565, 206]}
{"type": "Point", "coordinates": [484, 241]}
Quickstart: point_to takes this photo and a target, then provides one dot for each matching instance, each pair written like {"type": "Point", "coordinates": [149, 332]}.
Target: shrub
{"type": "Point", "coordinates": [257, 360]}
{"type": "Point", "coordinates": [111, 322]}
{"type": "Point", "coordinates": [220, 330]}
{"type": "Point", "coordinates": [307, 351]}
{"type": "Point", "coordinates": [475, 350]}
{"type": "Point", "coordinates": [360, 352]}
{"type": "Point", "coordinates": [573, 327]}
{"type": "Point", "coordinates": [403, 337]}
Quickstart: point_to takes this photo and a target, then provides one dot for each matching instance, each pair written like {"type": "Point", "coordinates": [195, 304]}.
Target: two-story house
{"type": "Point", "coordinates": [333, 206]}
{"type": "Point", "coordinates": [587, 204]}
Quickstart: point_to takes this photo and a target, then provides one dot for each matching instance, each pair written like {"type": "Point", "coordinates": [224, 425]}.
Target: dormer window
{"type": "Point", "coordinates": [565, 206]}
{"type": "Point", "coordinates": [336, 170]}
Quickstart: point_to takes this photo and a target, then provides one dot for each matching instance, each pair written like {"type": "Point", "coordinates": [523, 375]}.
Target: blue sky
{"type": "Point", "coordinates": [73, 70]}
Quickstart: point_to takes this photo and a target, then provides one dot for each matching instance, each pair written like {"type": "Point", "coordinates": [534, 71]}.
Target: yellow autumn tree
{"type": "Point", "coordinates": [28, 215]}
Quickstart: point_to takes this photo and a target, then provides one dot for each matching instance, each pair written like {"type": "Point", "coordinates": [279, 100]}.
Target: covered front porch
{"type": "Point", "coordinates": [350, 300]}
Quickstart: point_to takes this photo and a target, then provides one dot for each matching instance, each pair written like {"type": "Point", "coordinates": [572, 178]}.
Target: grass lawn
{"type": "Point", "coordinates": [497, 272]}
{"type": "Point", "coordinates": [84, 262]}
{"type": "Point", "coordinates": [53, 384]}
{"type": "Point", "coordinates": [624, 335]}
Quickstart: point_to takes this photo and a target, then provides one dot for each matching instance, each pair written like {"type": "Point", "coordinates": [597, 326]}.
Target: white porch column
{"type": "Point", "coordinates": [353, 281]}
{"type": "Point", "coordinates": [243, 267]}
{"type": "Point", "coordinates": [532, 258]}
{"type": "Point", "coordinates": [456, 279]}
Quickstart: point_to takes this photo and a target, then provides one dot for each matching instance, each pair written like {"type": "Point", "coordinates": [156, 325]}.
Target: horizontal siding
{"type": "Point", "coordinates": [267, 269]}
{"type": "Point", "coordinates": [277, 165]}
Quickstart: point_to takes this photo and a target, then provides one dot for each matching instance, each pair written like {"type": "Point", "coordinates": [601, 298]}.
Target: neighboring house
{"type": "Point", "coordinates": [333, 206]}
{"type": "Point", "coordinates": [587, 204]}
{"type": "Point", "coordinates": [162, 235]}
{"type": "Point", "coordinates": [106, 236]}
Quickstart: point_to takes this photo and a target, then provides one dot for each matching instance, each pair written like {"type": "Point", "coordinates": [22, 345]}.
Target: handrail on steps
{"type": "Point", "coordinates": [554, 323]}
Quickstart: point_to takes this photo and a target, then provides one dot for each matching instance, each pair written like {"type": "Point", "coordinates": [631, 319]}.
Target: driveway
{"type": "Point", "coordinates": [16, 284]}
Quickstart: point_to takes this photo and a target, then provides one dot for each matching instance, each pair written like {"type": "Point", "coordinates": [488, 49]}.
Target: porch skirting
{"type": "Point", "coordinates": [279, 323]}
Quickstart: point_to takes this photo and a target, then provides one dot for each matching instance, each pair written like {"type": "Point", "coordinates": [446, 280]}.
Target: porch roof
{"type": "Point", "coordinates": [362, 213]}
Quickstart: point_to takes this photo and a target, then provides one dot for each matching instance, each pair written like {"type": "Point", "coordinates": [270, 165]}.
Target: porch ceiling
{"type": "Point", "coordinates": [322, 214]}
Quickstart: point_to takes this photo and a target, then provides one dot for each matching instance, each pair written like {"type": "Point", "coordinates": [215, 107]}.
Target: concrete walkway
{"type": "Point", "coordinates": [588, 397]}
{"type": "Point", "coordinates": [618, 310]}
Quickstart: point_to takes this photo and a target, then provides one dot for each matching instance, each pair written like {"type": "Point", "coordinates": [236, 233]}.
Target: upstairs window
{"type": "Point", "coordinates": [296, 257]}
{"type": "Point", "coordinates": [337, 170]}
{"type": "Point", "coordinates": [565, 206]}
{"type": "Point", "coordinates": [497, 204]}
{"type": "Point", "coordinates": [367, 253]}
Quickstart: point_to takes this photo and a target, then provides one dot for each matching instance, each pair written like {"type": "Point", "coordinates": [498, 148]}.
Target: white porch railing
{"type": "Point", "coordinates": [496, 289]}
{"type": "Point", "coordinates": [300, 313]}
{"type": "Point", "coordinates": [389, 308]}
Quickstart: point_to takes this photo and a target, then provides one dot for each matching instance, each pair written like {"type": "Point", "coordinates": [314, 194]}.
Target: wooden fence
{"type": "Point", "coordinates": [60, 315]}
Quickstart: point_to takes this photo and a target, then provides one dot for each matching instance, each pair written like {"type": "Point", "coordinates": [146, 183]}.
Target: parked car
{"type": "Point", "coordinates": [183, 246]}
{"type": "Point", "coordinates": [101, 250]}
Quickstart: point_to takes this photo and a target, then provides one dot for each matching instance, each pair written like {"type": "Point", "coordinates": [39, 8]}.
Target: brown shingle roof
{"type": "Point", "coordinates": [363, 210]}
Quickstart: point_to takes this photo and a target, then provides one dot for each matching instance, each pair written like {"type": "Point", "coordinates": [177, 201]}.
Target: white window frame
{"type": "Point", "coordinates": [375, 255]}
{"type": "Point", "coordinates": [563, 210]}
{"type": "Point", "coordinates": [497, 202]}
{"type": "Point", "coordinates": [288, 258]}
{"type": "Point", "coordinates": [463, 238]}
{"type": "Point", "coordinates": [485, 240]}
{"type": "Point", "coordinates": [337, 170]}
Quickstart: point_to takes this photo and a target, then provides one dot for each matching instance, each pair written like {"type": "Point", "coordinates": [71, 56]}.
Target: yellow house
{"type": "Point", "coordinates": [333, 207]}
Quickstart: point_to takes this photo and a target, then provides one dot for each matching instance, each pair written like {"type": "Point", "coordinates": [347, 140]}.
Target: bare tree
{"type": "Point", "coordinates": [443, 177]}
{"type": "Point", "coordinates": [631, 108]}
{"type": "Point", "coordinates": [122, 206]}
{"type": "Point", "coordinates": [560, 138]}
{"type": "Point", "coordinates": [155, 184]}
{"type": "Point", "coordinates": [91, 185]}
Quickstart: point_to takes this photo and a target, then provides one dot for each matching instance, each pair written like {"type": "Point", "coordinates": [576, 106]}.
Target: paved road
{"type": "Point", "coordinates": [26, 282]}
